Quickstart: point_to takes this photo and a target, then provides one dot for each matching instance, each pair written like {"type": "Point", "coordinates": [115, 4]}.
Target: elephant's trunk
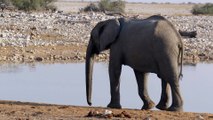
{"type": "Point", "coordinates": [89, 71]}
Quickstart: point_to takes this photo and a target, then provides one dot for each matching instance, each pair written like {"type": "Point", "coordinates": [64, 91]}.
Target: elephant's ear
{"type": "Point", "coordinates": [108, 33]}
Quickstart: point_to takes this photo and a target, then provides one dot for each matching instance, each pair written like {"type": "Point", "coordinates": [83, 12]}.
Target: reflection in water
{"type": "Point", "coordinates": [65, 84]}
{"type": "Point", "coordinates": [13, 68]}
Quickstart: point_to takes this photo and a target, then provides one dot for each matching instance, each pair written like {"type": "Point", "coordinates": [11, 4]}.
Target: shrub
{"type": "Point", "coordinates": [51, 7]}
{"type": "Point", "coordinates": [117, 6]}
{"type": "Point", "coordinates": [106, 5]}
{"type": "Point", "coordinates": [6, 2]}
{"type": "Point", "coordinates": [112, 5]}
{"type": "Point", "coordinates": [203, 9]}
{"type": "Point", "coordinates": [31, 4]}
{"type": "Point", "coordinates": [22, 4]}
{"type": "Point", "coordinates": [91, 7]}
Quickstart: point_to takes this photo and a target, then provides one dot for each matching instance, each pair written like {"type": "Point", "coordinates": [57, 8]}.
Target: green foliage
{"type": "Point", "coordinates": [112, 5]}
{"type": "Point", "coordinates": [28, 5]}
{"type": "Point", "coordinates": [6, 2]}
{"type": "Point", "coordinates": [204, 9]}
{"type": "Point", "coordinates": [22, 4]}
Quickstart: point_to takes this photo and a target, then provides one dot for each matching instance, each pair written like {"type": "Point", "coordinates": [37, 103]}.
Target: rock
{"type": "Point", "coordinates": [93, 114]}
{"type": "Point", "coordinates": [23, 29]}
{"type": "Point", "coordinates": [107, 112]}
{"type": "Point", "coordinates": [38, 59]}
{"type": "Point", "coordinates": [191, 34]}
{"type": "Point", "coordinates": [57, 57]}
{"type": "Point", "coordinates": [199, 117]}
{"type": "Point", "coordinates": [147, 118]}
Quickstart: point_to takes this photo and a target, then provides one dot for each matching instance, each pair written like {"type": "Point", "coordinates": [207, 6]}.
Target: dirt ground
{"type": "Point", "coordinates": [10, 110]}
{"type": "Point", "coordinates": [67, 53]}
{"type": "Point", "coordinates": [28, 54]}
{"type": "Point", "coordinates": [15, 110]}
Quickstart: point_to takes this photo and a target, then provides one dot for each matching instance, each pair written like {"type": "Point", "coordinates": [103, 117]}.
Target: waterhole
{"type": "Point", "coordinates": [65, 84]}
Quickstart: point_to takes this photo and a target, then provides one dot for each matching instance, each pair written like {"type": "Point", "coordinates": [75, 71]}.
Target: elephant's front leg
{"type": "Point", "coordinates": [142, 90]}
{"type": "Point", "coordinates": [114, 74]}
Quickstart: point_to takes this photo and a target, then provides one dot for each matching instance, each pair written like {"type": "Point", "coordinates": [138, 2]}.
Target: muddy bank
{"type": "Point", "coordinates": [71, 53]}
{"type": "Point", "coordinates": [14, 110]}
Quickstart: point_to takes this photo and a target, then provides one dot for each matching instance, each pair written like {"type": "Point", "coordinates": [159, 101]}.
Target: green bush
{"type": "Point", "coordinates": [6, 2]}
{"type": "Point", "coordinates": [28, 5]}
{"type": "Point", "coordinates": [112, 5]}
{"type": "Point", "coordinates": [203, 9]}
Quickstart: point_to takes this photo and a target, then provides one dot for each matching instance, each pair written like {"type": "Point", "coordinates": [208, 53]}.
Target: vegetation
{"type": "Point", "coordinates": [28, 5]}
{"type": "Point", "coordinates": [91, 7]}
{"type": "Point", "coordinates": [6, 2]}
{"type": "Point", "coordinates": [203, 9]}
{"type": "Point", "coordinates": [107, 5]}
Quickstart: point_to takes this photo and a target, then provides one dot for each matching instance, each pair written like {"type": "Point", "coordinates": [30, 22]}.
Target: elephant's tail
{"type": "Point", "coordinates": [180, 61]}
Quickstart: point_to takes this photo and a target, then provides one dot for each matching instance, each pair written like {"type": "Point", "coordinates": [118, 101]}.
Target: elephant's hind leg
{"type": "Point", "coordinates": [177, 102]}
{"type": "Point", "coordinates": [142, 90]}
{"type": "Point", "coordinates": [164, 101]}
{"type": "Point", "coordinates": [169, 73]}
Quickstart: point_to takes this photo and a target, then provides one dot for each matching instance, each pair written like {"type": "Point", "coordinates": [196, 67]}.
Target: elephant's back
{"type": "Point", "coordinates": [167, 43]}
{"type": "Point", "coordinates": [135, 43]}
{"type": "Point", "coordinates": [166, 35]}
{"type": "Point", "coordinates": [137, 31]}
{"type": "Point", "coordinates": [153, 31]}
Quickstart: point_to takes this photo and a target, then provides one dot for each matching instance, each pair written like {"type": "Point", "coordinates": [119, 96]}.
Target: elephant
{"type": "Point", "coordinates": [150, 45]}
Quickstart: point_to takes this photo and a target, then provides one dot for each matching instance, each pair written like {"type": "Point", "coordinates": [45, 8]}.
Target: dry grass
{"type": "Point", "coordinates": [164, 9]}
{"type": "Point", "coordinates": [134, 8]}
{"type": "Point", "coordinates": [70, 6]}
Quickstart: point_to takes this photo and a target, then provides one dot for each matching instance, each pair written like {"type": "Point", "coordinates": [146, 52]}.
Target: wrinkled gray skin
{"type": "Point", "coordinates": [151, 45]}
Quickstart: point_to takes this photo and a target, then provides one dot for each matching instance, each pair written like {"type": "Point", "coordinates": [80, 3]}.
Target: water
{"type": "Point", "coordinates": [65, 84]}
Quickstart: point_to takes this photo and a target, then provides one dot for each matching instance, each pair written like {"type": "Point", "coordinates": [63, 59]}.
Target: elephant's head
{"type": "Point", "coordinates": [102, 36]}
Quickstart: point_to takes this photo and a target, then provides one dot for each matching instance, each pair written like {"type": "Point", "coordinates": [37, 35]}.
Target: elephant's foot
{"type": "Point", "coordinates": [113, 105]}
{"type": "Point", "coordinates": [175, 108]}
{"type": "Point", "coordinates": [148, 105]}
{"type": "Point", "coordinates": [162, 106]}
